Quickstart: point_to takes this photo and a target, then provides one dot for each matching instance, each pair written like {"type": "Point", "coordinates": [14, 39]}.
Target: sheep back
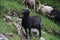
{"type": "Point", "coordinates": [34, 21]}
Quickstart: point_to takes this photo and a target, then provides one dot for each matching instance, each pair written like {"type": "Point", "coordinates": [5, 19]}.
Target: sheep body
{"type": "Point", "coordinates": [32, 2]}
{"type": "Point", "coordinates": [46, 9]}
{"type": "Point", "coordinates": [34, 21]}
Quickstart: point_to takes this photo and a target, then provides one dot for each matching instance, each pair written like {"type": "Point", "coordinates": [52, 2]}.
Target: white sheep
{"type": "Point", "coordinates": [44, 9]}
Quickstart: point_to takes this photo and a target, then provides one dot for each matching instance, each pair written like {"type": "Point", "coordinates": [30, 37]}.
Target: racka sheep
{"type": "Point", "coordinates": [44, 9]}
{"type": "Point", "coordinates": [29, 22]}
{"type": "Point", "coordinates": [29, 3]}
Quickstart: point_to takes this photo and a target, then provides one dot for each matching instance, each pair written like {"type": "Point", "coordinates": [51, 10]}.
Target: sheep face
{"type": "Point", "coordinates": [52, 15]}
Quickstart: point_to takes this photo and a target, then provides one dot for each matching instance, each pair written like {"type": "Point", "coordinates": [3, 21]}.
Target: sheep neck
{"type": "Point", "coordinates": [25, 17]}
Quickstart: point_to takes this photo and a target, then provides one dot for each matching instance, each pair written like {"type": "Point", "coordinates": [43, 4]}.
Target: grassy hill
{"type": "Point", "coordinates": [5, 28]}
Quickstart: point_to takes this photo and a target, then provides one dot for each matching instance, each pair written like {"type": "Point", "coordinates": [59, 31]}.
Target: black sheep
{"type": "Point", "coordinates": [31, 22]}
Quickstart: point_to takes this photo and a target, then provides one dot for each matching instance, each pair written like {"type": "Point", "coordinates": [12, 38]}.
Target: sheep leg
{"type": "Point", "coordinates": [30, 32]}
{"type": "Point", "coordinates": [26, 33]}
{"type": "Point", "coordinates": [39, 32]}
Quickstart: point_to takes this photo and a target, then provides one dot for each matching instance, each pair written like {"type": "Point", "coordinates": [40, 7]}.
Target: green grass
{"type": "Point", "coordinates": [14, 5]}
{"type": "Point", "coordinates": [48, 36]}
{"type": "Point", "coordinates": [5, 28]}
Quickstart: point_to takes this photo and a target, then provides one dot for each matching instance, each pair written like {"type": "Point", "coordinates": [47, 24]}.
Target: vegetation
{"type": "Point", "coordinates": [5, 28]}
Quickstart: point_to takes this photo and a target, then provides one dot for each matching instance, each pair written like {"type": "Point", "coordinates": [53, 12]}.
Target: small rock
{"type": "Point", "coordinates": [41, 38]}
{"type": "Point", "coordinates": [35, 32]}
{"type": "Point", "coordinates": [19, 20]}
{"type": "Point", "coordinates": [2, 37]}
{"type": "Point", "coordinates": [4, 19]}
{"type": "Point", "coordinates": [10, 34]}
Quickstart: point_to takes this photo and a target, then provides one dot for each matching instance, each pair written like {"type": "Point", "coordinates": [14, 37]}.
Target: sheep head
{"type": "Point", "coordinates": [53, 16]}
{"type": "Point", "coordinates": [25, 11]}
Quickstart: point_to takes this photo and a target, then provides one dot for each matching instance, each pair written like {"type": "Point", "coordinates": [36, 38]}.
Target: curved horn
{"type": "Point", "coordinates": [40, 4]}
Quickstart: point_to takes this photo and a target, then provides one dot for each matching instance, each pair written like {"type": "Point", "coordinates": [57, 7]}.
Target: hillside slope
{"type": "Point", "coordinates": [5, 28]}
